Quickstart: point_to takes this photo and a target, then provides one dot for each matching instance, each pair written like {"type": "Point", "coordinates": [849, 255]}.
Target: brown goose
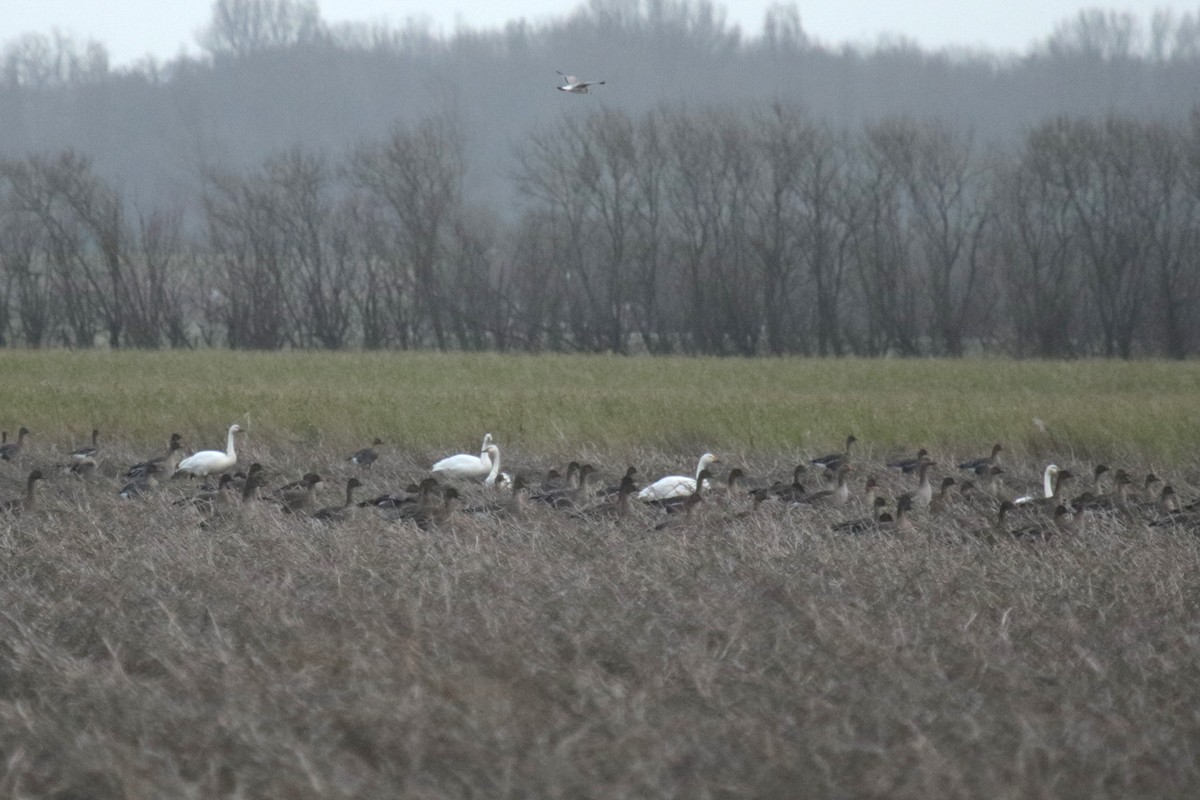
{"type": "Point", "coordinates": [10, 450]}
{"type": "Point", "coordinates": [89, 452]}
{"type": "Point", "coordinates": [924, 493]}
{"type": "Point", "coordinates": [27, 503]}
{"type": "Point", "coordinates": [294, 498]}
{"type": "Point", "coordinates": [513, 507]}
{"type": "Point", "coordinates": [833, 461]}
{"type": "Point", "coordinates": [166, 463]}
{"type": "Point", "coordinates": [863, 524]}
{"type": "Point", "coordinates": [345, 510]}
{"type": "Point", "coordinates": [791, 492]}
{"type": "Point", "coordinates": [367, 456]}
{"type": "Point", "coordinates": [616, 509]}
{"type": "Point", "coordinates": [680, 521]}
{"type": "Point", "coordinates": [985, 461]}
{"type": "Point", "coordinates": [145, 482]}
{"type": "Point", "coordinates": [941, 500]}
{"type": "Point", "coordinates": [615, 489]}
{"type": "Point", "coordinates": [909, 465]}
{"type": "Point", "coordinates": [838, 496]}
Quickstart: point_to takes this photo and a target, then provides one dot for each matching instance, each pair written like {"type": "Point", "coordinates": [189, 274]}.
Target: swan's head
{"type": "Point", "coordinates": [493, 451]}
{"type": "Point", "coordinates": [708, 458]}
{"type": "Point", "coordinates": [235, 428]}
{"type": "Point", "coordinates": [1051, 470]}
{"type": "Point", "coordinates": [487, 439]}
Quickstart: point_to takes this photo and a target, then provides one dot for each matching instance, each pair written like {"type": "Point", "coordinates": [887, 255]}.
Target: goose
{"type": "Point", "coordinates": [367, 456]}
{"type": "Point", "coordinates": [464, 466]}
{"type": "Point", "coordinates": [909, 465]}
{"type": "Point", "coordinates": [838, 496]}
{"type": "Point", "coordinates": [342, 512]}
{"type": "Point", "coordinates": [573, 85]}
{"type": "Point", "coordinates": [941, 500]}
{"type": "Point", "coordinates": [27, 503]}
{"type": "Point", "coordinates": [83, 468]}
{"type": "Point", "coordinates": [556, 484]}
{"type": "Point", "coordinates": [434, 514]}
{"type": "Point", "coordinates": [925, 488]}
{"type": "Point", "coordinates": [902, 523]}
{"type": "Point", "coordinates": [90, 451]}
{"type": "Point", "coordinates": [615, 489]}
{"type": "Point", "coordinates": [984, 461]}
{"type": "Point", "coordinates": [1043, 532]}
{"type": "Point", "coordinates": [10, 450]}
{"type": "Point", "coordinates": [862, 524]}
{"type": "Point", "coordinates": [998, 529]}
{"type": "Point", "coordinates": [413, 494]}
{"type": "Point", "coordinates": [834, 460]}
{"type": "Point", "coordinates": [145, 482]}
{"type": "Point", "coordinates": [732, 487]}
{"type": "Point", "coordinates": [202, 463]}
{"type": "Point", "coordinates": [513, 507]}
{"type": "Point", "coordinates": [681, 520]}
{"type": "Point", "coordinates": [167, 462]}
{"type": "Point", "coordinates": [294, 499]}
{"type": "Point", "coordinates": [209, 500]}
{"type": "Point", "coordinates": [757, 498]}
{"type": "Point", "coordinates": [870, 489]}
{"type": "Point", "coordinates": [1049, 477]}
{"type": "Point", "coordinates": [790, 492]}
{"type": "Point", "coordinates": [676, 485]}
{"type": "Point", "coordinates": [574, 495]}
{"type": "Point", "coordinates": [614, 509]}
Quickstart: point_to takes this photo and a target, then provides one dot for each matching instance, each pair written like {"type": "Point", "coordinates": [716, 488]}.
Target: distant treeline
{"type": "Point", "coordinates": [273, 195]}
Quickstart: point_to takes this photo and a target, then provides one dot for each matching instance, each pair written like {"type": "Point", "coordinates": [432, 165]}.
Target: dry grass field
{"type": "Point", "coordinates": [148, 649]}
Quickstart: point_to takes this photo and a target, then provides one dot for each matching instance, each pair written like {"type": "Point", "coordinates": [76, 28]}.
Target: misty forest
{"type": "Point", "coordinates": [305, 185]}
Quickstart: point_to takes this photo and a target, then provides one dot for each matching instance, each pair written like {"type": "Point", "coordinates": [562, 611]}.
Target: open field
{"type": "Point", "coordinates": [150, 650]}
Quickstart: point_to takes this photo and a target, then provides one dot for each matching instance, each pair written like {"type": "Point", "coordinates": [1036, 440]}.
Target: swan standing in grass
{"type": "Point", "coordinates": [677, 485]}
{"type": "Point", "coordinates": [202, 463]}
{"type": "Point", "coordinates": [486, 465]}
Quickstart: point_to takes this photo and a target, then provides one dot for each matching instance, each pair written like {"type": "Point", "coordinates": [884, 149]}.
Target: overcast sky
{"type": "Point", "coordinates": [133, 28]}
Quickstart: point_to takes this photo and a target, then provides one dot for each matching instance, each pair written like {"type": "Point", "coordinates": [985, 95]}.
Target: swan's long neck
{"type": "Point", "coordinates": [491, 478]}
{"type": "Point", "coordinates": [1048, 481]}
{"type": "Point", "coordinates": [229, 451]}
{"type": "Point", "coordinates": [704, 462]}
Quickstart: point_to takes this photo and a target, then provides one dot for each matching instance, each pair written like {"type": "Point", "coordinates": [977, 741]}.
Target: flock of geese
{"type": "Point", "coordinates": [974, 497]}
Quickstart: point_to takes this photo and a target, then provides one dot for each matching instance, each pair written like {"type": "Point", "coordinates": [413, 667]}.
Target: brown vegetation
{"type": "Point", "coordinates": [147, 649]}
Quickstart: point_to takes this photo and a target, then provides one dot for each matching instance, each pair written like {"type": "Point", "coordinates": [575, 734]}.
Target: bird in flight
{"type": "Point", "coordinates": [575, 86]}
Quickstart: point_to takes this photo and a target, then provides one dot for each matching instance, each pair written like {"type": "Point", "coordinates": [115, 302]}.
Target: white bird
{"type": "Point", "coordinates": [486, 465]}
{"type": "Point", "coordinates": [676, 485]}
{"type": "Point", "coordinates": [202, 463]}
{"type": "Point", "coordinates": [575, 86]}
{"type": "Point", "coordinates": [1047, 487]}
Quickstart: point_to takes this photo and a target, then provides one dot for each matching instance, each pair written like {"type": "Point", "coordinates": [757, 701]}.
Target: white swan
{"type": "Point", "coordinates": [676, 485]}
{"type": "Point", "coordinates": [1047, 486]}
{"type": "Point", "coordinates": [573, 85]}
{"type": "Point", "coordinates": [486, 465]}
{"type": "Point", "coordinates": [202, 463]}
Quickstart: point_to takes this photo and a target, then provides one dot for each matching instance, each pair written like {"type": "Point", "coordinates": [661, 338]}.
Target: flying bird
{"type": "Point", "coordinates": [575, 86]}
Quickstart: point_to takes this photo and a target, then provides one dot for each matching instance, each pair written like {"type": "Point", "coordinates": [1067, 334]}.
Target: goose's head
{"type": "Point", "coordinates": [353, 483]}
{"type": "Point", "coordinates": [36, 475]}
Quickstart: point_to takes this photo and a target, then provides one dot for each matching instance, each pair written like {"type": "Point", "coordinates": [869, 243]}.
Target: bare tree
{"type": "Point", "coordinates": [241, 27]}
{"type": "Point", "coordinates": [415, 178]}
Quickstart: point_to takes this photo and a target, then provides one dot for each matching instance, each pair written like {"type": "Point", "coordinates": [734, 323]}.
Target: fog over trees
{"type": "Point", "coordinates": [726, 192]}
